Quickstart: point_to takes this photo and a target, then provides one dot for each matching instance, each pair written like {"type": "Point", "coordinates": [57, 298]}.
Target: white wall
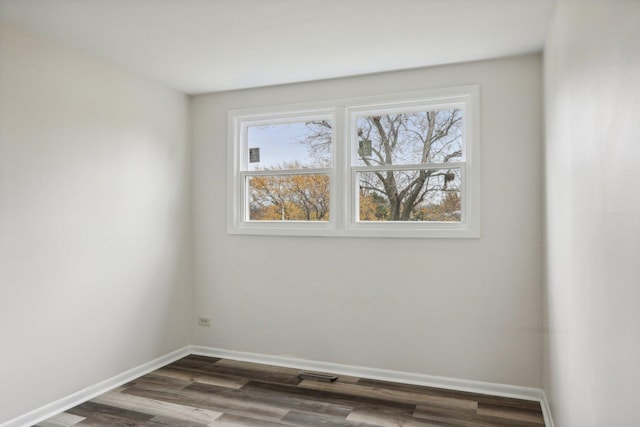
{"type": "Point", "coordinates": [95, 270]}
{"type": "Point", "coordinates": [466, 308]}
{"type": "Point", "coordinates": [592, 349]}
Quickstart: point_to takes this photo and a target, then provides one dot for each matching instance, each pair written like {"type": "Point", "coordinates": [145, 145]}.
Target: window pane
{"type": "Point", "coordinates": [410, 138]}
{"type": "Point", "coordinates": [289, 198]}
{"type": "Point", "coordinates": [296, 145]}
{"type": "Point", "coordinates": [413, 195]}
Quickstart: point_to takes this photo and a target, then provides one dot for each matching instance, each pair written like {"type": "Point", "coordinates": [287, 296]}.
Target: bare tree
{"type": "Point", "coordinates": [403, 139]}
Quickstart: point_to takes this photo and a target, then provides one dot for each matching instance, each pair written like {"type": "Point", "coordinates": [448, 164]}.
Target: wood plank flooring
{"type": "Point", "coordinates": [199, 391]}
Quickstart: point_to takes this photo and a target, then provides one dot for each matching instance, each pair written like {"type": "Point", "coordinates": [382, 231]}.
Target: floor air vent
{"type": "Point", "coordinates": [327, 378]}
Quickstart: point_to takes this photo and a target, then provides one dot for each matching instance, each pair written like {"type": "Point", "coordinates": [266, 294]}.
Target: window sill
{"type": "Point", "coordinates": [358, 230]}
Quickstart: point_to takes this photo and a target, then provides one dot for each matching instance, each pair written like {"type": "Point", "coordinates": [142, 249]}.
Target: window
{"type": "Point", "coordinates": [402, 165]}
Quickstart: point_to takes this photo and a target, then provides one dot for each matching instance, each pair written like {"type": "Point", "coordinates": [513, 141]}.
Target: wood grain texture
{"type": "Point", "coordinates": [198, 391]}
{"type": "Point", "coordinates": [62, 420]}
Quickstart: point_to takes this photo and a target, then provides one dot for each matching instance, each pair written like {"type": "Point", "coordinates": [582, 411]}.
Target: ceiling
{"type": "Point", "coordinates": [198, 46]}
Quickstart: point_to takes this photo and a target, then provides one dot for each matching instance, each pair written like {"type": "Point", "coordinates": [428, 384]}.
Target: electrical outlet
{"type": "Point", "coordinates": [204, 321]}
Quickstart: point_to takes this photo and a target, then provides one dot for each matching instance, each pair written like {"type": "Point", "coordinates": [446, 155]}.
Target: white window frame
{"type": "Point", "coordinates": [343, 205]}
{"type": "Point", "coordinates": [238, 221]}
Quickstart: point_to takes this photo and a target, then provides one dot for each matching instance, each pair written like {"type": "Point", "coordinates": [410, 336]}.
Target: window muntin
{"type": "Point", "coordinates": [447, 198]}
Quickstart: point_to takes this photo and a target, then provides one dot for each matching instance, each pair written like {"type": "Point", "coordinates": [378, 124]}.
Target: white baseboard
{"type": "Point", "coordinates": [518, 392]}
{"type": "Point", "coordinates": [90, 392]}
{"type": "Point", "coordinates": [546, 410]}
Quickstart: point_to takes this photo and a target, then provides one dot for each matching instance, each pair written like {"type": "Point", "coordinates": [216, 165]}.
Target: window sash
{"type": "Point", "coordinates": [354, 217]}
{"type": "Point", "coordinates": [280, 118]}
{"type": "Point", "coordinates": [356, 113]}
{"type": "Point", "coordinates": [246, 175]}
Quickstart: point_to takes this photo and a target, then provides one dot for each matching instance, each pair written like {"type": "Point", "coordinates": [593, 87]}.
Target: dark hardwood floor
{"type": "Point", "coordinates": [201, 391]}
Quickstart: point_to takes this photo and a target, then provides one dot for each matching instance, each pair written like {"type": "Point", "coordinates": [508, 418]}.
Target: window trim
{"type": "Point", "coordinates": [343, 175]}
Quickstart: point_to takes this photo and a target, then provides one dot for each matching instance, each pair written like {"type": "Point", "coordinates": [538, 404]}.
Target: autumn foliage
{"type": "Point", "coordinates": [289, 198]}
